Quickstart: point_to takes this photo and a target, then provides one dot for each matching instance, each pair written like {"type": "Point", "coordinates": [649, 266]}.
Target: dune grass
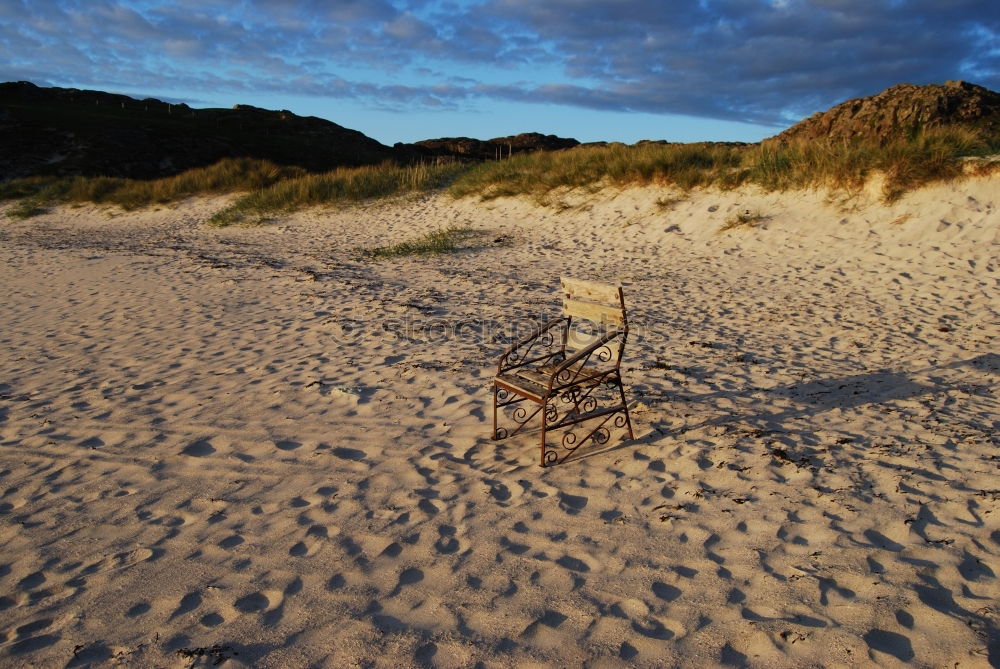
{"type": "Point", "coordinates": [925, 157]}
{"type": "Point", "coordinates": [345, 185]}
{"type": "Point", "coordinates": [446, 240]}
{"type": "Point", "coordinates": [26, 208]}
{"type": "Point", "coordinates": [928, 156]}
{"type": "Point", "coordinates": [269, 188]}
{"type": "Point", "coordinates": [226, 176]}
{"type": "Point", "coordinates": [538, 174]}
{"type": "Point", "coordinates": [748, 218]}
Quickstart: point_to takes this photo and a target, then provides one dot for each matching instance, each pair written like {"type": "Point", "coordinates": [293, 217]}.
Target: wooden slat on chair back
{"type": "Point", "coordinates": [598, 302]}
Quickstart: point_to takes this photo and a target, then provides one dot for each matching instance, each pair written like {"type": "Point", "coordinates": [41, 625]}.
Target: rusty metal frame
{"type": "Point", "coordinates": [514, 357]}
{"type": "Point", "coordinates": [570, 382]}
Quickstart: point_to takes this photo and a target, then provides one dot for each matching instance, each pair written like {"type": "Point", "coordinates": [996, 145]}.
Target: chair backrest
{"type": "Point", "coordinates": [603, 306]}
{"type": "Point", "coordinates": [600, 303]}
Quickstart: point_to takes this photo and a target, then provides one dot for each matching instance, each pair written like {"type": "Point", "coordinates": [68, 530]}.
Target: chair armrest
{"type": "Point", "coordinates": [582, 354]}
{"type": "Point", "coordinates": [519, 360]}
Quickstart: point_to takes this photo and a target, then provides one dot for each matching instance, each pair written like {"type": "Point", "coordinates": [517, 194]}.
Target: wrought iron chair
{"type": "Point", "coordinates": [570, 375]}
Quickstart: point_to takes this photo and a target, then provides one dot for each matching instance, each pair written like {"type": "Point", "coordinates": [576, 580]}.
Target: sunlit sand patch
{"type": "Point", "coordinates": [251, 444]}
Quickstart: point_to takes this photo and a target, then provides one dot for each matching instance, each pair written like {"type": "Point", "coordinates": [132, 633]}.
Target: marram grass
{"type": "Point", "coordinates": [447, 240]}
{"type": "Point", "coordinates": [268, 189]}
{"type": "Point", "coordinates": [226, 176]}
{"type": "Point", "coordinates": [344, 185]}
{"type": "Point", "coordinates": [538, 174]}
{"type": "Point", "coordinates": [927, 157]}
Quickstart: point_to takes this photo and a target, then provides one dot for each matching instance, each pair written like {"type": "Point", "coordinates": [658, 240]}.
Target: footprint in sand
{"type": "Point", "coordinates": [428, 507]}
{"type": "Point", "coordinates": [498, 490]}
{"type": "Point", "coordinates": [407, 577]}
{"type": "Point", "coordinates": [270, 603]}
{"type": "Point", "coordinates": [513, 547]}
{"type": "Point", "coordinates": [551, 619]}
{"type": "Point", "coordinates": [320, 531]}
{"type": "Point", "coordinates": [188, 603]}
{"type": "Point", "coordinates": [336, 582]}
{"type": "Point", "coordinates": [231, 542]}
{"type": "Point", "coordinates": [393, 550]}
{"type": "Point", "coordinates": [889, 643]}
{"type": "Point", "coordinates": [653, 628]}
{"type": "Point", "coordinates": [138, 610]}
{"type": "Point", "coordinates": [199, 448]}
{"type": "Point", "coordinates": [122, 561]}
{"type": "Point", "coordinates": [348, 454]}
{"type": "Point", "coordinates": [255, 602]}
{"type": "Point", "coordinates": [446, 542]}
{"type": "Point", "coordinates": [31, 581]}
{"type": "Point", "coordinates": [572, 504]}
{"type": "Point", "coordinates": [306, 548]}
{"type": "Point", "coordinates": [92, 443]}
{"type": "Point", "coordinates": [287, 445]}
{"type": "Point", "coordinates": [212, 619]}
{"type": "Point", "coordinates": [642, 620]}
{"type": "Point", "coordinates": [28, 640]}
{"type": "Point", "coordinates": [573, 564]}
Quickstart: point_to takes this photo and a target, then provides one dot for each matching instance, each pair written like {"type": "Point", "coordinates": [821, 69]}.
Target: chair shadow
{"type": "Point", "coordinates": [810, 399]}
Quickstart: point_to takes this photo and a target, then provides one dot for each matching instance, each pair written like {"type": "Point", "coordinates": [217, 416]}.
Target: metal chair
{"type": "Point", "coordinates": [568, 374]}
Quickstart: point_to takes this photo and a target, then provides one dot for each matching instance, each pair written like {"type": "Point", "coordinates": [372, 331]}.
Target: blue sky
{"type": "Point", "coordinates": [403, 70]}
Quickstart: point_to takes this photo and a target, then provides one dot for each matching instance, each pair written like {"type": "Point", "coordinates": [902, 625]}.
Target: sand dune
{"type": "Point", "coordinates": [251, 445]}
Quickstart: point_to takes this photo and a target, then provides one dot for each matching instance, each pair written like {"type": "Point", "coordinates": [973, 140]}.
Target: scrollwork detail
{"type": "Point", "coordinates": [520, 415]}
{"type": "Point", "coordinates": [518, 356]}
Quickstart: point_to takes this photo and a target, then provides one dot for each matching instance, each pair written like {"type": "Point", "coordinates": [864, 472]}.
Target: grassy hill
{"type": "Point", "coordinates": [906, 155]}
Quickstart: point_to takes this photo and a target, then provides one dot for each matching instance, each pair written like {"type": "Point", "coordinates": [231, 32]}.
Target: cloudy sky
{"type": "Point", "coordinates": [403, 70]}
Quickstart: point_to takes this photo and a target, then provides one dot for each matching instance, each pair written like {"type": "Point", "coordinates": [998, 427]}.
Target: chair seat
{"type": "Point", "coordinates": [534, 383]}
{"type": "Point", "coordinates": [525, 387]}
{"type": "Point", "coordinates": [579, 372]}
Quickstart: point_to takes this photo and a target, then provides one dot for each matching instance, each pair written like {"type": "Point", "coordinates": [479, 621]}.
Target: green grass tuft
{"type": "Point", "coordinates": [26, 208]}
{"type": "Point", "coordinates": [447, 240]}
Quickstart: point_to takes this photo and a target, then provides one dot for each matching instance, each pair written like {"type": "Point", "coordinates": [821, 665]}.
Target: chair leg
{"type": "Point", "coordinates": [544, 412]}
{"type": "Point", "coordinates": [495, 412]}
{"type": "Point", "coordinates": [628, 420]}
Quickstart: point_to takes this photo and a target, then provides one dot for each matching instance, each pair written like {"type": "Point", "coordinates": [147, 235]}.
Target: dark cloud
{"type": "Point", "coordinates": [752, 60]}
{"type": "Point", "coordinates": [767, 62]}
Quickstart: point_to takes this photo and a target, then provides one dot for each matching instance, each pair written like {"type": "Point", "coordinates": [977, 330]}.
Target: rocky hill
{"type": "Point", "coordinates": [62, 131]}
{"type": "Point", "coordinates": [900, 111]}
{"type": "Point", "coordinates": [66, 131]}
{"type": "Point", "coordinates": [468, 149]}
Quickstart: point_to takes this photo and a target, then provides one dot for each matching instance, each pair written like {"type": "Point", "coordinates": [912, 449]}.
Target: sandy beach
{"type": "Point", "coordinates": [253, 447]}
